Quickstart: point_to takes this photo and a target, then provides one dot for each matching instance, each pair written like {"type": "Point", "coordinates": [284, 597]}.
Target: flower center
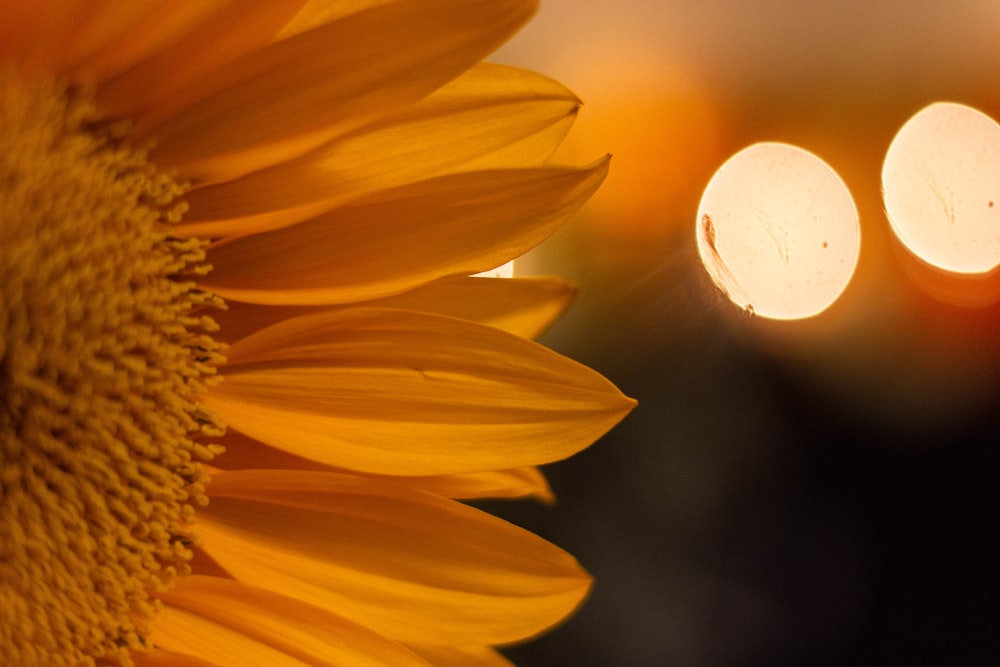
{"type": "Point", "coordinates": [104, 347]}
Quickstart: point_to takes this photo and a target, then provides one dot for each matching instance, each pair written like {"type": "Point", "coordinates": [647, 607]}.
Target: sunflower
{"type": "Point", "coordinates": [249, 377]}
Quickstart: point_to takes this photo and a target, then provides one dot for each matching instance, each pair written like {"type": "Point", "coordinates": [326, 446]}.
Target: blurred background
{"type": "Point", "coordinates": [818, 492]}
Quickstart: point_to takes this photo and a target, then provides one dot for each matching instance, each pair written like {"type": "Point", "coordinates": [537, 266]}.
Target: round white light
{"type": "Point", "coordinates": [778, 231]}
{"type": "Point", "coordinates": [941, 187]}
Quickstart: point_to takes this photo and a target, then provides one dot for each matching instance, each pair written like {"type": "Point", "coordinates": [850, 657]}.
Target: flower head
{"type": "Point", "coordinates": [252, 228]}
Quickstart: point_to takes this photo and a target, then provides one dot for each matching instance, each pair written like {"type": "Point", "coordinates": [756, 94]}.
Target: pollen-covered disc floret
{"type": "Point", "coordinates": [103, 351]}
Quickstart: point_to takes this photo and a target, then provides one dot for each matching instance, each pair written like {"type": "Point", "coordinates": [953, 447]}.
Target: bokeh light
{"type": "Point", "coordinates": [502, 271]}
{"type": "Point", "coordinates": [941, 185]}
{"type": "Point", "coordinates": [778, 231]}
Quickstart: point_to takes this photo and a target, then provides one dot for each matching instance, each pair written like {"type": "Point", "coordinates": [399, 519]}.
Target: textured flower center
{"type": "Point", "coordinates": [103, 350]}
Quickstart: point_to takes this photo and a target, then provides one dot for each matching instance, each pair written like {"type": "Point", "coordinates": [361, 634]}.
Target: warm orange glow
{"type": "Point", "coordinates": [778, 231]}
{"type": "Point", "coordinates": [642, 103]}
{"type": "Point", "coordinates": [662, 131]}
{"type": "Point", "coordinates": [941, 185]}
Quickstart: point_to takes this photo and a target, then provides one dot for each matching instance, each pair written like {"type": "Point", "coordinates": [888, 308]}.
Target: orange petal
{"type": "Point", "coordinates": [317, 12]}
{"type": "Point", "coordinates": [143, 28]}
{"type": "Point", "coordinates": [52, 36]}
{"type": "Point", "coordinates": [407, 393]}
{"type": "Point", "coordinates": [30, 32]}
{"type": "Point", "coordinates": [260, 618]}
{"type": "Point", "coordinates": [106, 21]}
{"type": "Point", "coordinates": [231, 31]}
{"type": "Point", "coordinates": [185, 633]}
{"type": "Point", "coordinates": [395, 240]}
{"type": "Point", "coordinates": [523, 306]}
{"type": "Point", "coordinates": [245, 453]}
{"type": "Point", "coordinates": [295, 94]}
{"type": "Point", "coordinates": [463, 656]}
{"type": "Point", "coordinates": [410, 565]}
{"type": "Point", "coordinates": [22, 21]}
{"type": "Point", "coordinates": [514, 483]}
{"type": "Point", "coordinates": [492, 116]}
{"type": "Point", "coordinates": [161, 658]}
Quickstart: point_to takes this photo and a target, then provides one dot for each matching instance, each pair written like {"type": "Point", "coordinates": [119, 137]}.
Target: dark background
{"type": "Point", "coordinates": [786, 493]}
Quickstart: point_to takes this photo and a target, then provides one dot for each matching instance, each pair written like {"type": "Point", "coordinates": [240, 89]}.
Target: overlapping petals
{"type": "Point", "coordinates": [398, 239]}
{"type": "Point", "coordinates": [352, 164]}
{"type": "Point", "coordinates": [492, 116]}
{"type": "Point", "coordinates": [406, 393]}
{"type": "Point", "coordinates": [229, 622]}
{"type": "Point", "coordinates": [523, 306]}
{"type": "Point", "coordinates": [245, 453]}
{"type": "Point", "coordinates": [283, 100]}
{"type": "Point", "coordinates": [162, 658]}
{"type": "Point", "coordinates": [155, 82]}
{"type": "Point", "coordinates": [408, 564]}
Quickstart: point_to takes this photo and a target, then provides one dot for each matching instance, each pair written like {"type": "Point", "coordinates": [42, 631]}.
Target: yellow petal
{"type": "Point", "coordinates": [106, 21]}
{"type": "Point", "coordinates": [161, 658]}
{"type": "Point", "coordinates": [317, 12]}
{"type": "Point", "coordinates": [54, 36]}
{"type": "Point", "coordinates": [234, 29]}
{"type": "Point", "coordinates": [523, 306]}
{"type": "Point", "coordinates": [407, 393]}
{"type": "Point", "coordinates": [245, 453]}
{"type": "Point", "coordinates": [463, 656]}
{"type": "Point", "coordinates": [293, 95]}
{"type": "Point", "coordinates": [143, 28]}
{"type": "Point", "coordinates": [30, 32]}
{"type": "Point", "coordinates": [182, 632]}
{"type": "Point", "coordinates": [300, 631]}
{"type": "Point", "coordinates": [491, 117]}
{"type": "Point", "coordinates": [399, 239]}
{"type": "Point", "coordinates": [407, 564]}
{"type": "Point", "coordinates": [514, 483]}
{"type": "Point", "coordinates": [23, 19]}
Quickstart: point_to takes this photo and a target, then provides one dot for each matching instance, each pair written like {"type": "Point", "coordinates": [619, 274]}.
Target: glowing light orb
{"type": "Point", "coordinates": [778, 231]}
{"type": "Point", "coordinates": [941, 187]}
